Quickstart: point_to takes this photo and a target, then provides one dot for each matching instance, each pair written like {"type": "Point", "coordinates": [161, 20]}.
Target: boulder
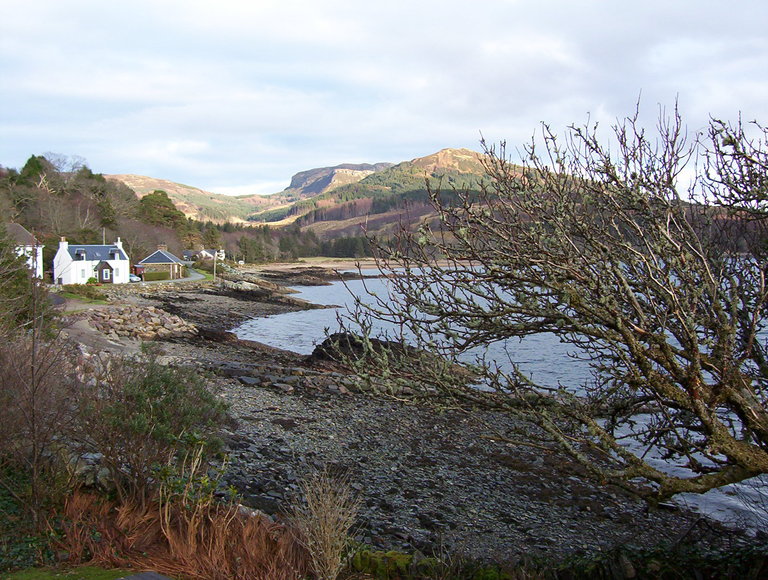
{"type": "Point", "coordinates": [352, 346]}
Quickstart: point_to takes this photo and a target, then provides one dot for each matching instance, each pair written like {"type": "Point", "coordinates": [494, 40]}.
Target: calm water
{"type": "Point", "coordinates": [543, 356]}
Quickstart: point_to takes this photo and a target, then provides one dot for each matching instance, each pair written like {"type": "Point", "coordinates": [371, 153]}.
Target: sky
{"type": "Point", "coordinates": [235, 97]}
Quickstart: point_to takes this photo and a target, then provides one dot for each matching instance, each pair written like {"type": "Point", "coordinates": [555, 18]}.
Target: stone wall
{"type": "Point", "coordinates": [141, 322]}
{"type": "Point", "coordinates": [120, 290]}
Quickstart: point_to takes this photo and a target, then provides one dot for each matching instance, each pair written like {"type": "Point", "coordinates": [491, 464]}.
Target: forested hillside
{"type": "Point", "coordinates": [383, 199]}
{"type": "Point", "coordinates": [326, 211]}
{"type": "Point", "coordinates": [54, 196]}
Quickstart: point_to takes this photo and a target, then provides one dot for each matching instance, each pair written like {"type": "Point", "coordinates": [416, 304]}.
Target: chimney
{"type": "Point", "coordinates": [119, 244]}
{"type": "Point", "coordinates": [163, 247]}
{"type": "Point", "coordinates": [63, 243]}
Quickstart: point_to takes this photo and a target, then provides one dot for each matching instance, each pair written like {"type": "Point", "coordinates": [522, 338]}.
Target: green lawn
{"type": "Point", "coordinates": [84, 573]}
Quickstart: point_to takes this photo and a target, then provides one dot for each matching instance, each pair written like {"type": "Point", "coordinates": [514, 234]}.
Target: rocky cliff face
{"type": "Point", "coordinates": [316, 181]}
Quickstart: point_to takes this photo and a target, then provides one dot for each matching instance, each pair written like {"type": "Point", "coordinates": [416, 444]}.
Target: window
{"type": "Point", "coordinates": [105, 274]}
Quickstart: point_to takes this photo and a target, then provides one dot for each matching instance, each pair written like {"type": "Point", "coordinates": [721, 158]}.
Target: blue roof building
{"type": "Point", "coordinates": [161, 260]}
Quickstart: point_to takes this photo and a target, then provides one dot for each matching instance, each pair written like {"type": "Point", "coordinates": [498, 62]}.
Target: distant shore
{"type": "Point", "coordinates": [321, 262]}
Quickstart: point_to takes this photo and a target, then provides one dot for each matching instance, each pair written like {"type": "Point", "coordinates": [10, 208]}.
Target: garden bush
{"type": "Point", "coordinates": [156, 276]}
{"type": "Point", "coordinates": [138, 413]}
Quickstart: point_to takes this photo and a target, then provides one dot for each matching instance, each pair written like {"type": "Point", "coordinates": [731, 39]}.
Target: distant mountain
{"type": "Point", "coordinates": [207, 206]}
{"type": "Point", "coordinates": [451, 160]}
{"type": "Point", "coordinates": [379, 202]}
{"type": "Point", "coordinates": [318, 181]}
{"type": "Point", "coordinates": [330, 200]}
{"type": "Point", "coordinates": [197, 203]}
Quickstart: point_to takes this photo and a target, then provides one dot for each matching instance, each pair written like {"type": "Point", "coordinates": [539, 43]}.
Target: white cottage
{"type": "Point", "coordinates": [28, 246]}
{"type": "Point", "coordinates": [78, 263]}
{"type": "Point", "coordinates": [205, 254]}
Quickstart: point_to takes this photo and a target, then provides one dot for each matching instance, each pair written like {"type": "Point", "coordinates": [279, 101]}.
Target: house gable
{"type": "Point", "coordinates": [161, 260]}
{"type": "Point", "coordinates": [161, 257]}
{"type": "Point", "coordinates": [105, 273]}
{"type": "Point", "coordinates": [28, 246]}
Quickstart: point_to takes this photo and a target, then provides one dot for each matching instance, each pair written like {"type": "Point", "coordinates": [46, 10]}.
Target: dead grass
{"type": "Point", "coordinates": [324, 521]}
{"type": "Point", "coordinates": [206, 541]}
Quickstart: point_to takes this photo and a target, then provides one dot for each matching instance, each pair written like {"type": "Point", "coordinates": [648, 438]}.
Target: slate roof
{"type": "Point", "coordinates": [20, 235]}
{"type": "Point", "coordinates": [161, 257]}
{"type": "Point", "coordinates": [195, 254]}
{"type": "Point", "coordinates": [94, 253]}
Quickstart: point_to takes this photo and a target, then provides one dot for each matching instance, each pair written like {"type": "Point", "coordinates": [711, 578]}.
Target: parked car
{"type": "Point", "coordinates": [134, 278]}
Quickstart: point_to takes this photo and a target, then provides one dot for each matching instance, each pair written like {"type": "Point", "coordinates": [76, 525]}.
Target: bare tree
{"type": "Point", "coordinates": [65, 164]}
{"type": "Point", "coordinates": [609, 249]}
{"type": "Point", "coordinates": [36, 385]}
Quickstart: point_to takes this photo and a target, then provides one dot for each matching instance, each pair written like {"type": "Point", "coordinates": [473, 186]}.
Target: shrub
{"type": "Point", "coordinates": [36, 390]}
{"type": "Point", "coordinates": [324, 520]}
{"type": "Point", "coordinates": [139, 412]}
{"type": "Point", "coordinates": [22, 544]}
{"type": "Point", "coordinates": [205, 265]}
{"type": "Point", "coordinates": [23, 298]}
{"type": "Point", "coordinates": [182, 534]}
{"type": "Point", "coordinates": [84, 291]}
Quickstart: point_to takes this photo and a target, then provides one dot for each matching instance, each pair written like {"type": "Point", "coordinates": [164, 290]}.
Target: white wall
{"type": "Point", "coordinates": [34, 256]}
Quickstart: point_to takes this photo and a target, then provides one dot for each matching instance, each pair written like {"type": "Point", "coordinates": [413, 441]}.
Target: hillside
{"type": "Point", "coordinates": [204, 205]}
{"type": "Point", "coordinates": [329, 201]}
{"type": "Point", "coordinates": [332, 201]}
{"type": "Point", "coordinates": [382, 200]}
{"type": "Point", "coordinates": [322, 180]}
{"type": "Point", "coordinates": [197, 203]}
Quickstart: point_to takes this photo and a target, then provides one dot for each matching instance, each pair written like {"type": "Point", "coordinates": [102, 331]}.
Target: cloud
{"type": "Point", "coordinates": [237, 93]}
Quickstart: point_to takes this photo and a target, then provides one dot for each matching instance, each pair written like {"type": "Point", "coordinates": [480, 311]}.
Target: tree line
{"type": "Point", "coordinates": [56, 196]}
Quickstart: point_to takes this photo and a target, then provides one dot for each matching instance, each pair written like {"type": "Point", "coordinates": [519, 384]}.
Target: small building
{"type": "Point", "coordinates": [27, 245]}
{"type": "Point", "coordinates": [204, 254]}
{"type": "Point", "coordinates": [161, 260]}
{"type": "Point", "coordinates": [78, 263]}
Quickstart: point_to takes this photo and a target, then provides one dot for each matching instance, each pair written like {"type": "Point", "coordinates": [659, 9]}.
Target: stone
{"type": "Point", "coordinates": [249, 381]}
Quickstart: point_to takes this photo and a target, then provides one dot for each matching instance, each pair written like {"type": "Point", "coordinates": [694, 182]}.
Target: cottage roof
{"type": "Point", "coordinates": [96, 253]}
{"type": "Point", "coordinates": [19, 234]}
{"type": "Point", "coordinates": [161, 257]}
{"type": "Point", "coordinates": [204, 253]}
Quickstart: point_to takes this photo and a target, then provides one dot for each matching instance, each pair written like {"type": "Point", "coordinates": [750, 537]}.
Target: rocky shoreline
{"type": "Point", "coordinates": [429, 479]}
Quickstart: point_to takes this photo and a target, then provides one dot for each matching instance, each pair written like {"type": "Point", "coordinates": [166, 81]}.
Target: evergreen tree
{"type": "Point", "coordinates": [22, 297]}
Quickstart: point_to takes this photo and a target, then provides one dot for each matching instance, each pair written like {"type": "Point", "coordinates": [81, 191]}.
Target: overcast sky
{"type": "Point", "coordinates": [237, 96]}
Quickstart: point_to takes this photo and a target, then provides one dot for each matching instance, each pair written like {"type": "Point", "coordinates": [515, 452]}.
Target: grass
{"type": "Point", "coordinates": [85, 292]}
{"type": "Point", "coordinates": [83, 573]}
{"type": "Point", "coordinates": [73, 296]}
